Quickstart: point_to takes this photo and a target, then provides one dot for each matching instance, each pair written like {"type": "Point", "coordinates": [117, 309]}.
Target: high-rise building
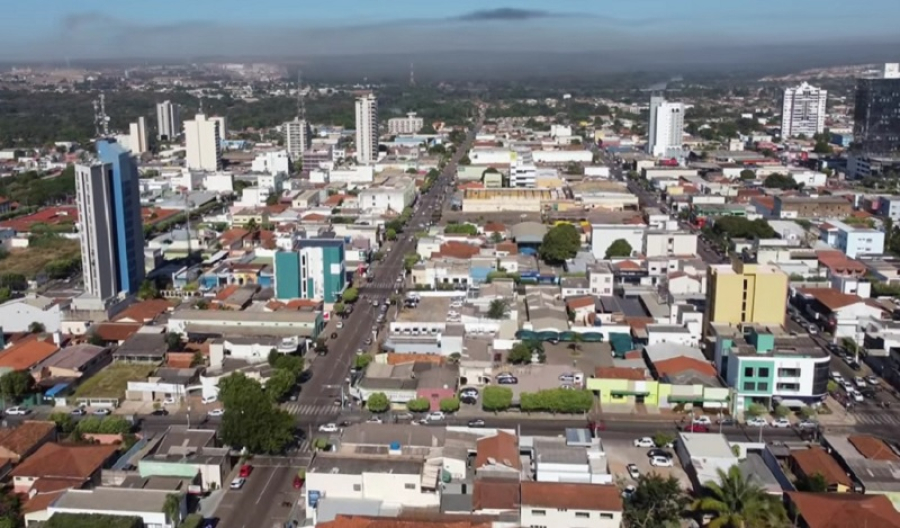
{"type": "Point", "coordinates": [168, 121]}
{"type": "Point", "coordinates": [204, 143]}
{"type": "Point", "coordinates": [406, 125]}
{"type": "Point", "coordinates": [367, 129]}
{"type": "Point", "coordinates": [876, 116]}
{"type": "Point", "coordinates": [137, 136]}
{"type": "Point", "coordinates": [745, 293]}
{"type": "Point", "coordinates": [803, 111]}
{"type": "Point", "coordinates": [297, 138]}
{"type": "Point", "coordinates": [666, 127]}
{"type": "Point", "coordinates": [109, 211]}
{"type": "Point", "coordinates": [314, 270]}
{"type": "Point", "coordinates": [223, 127]}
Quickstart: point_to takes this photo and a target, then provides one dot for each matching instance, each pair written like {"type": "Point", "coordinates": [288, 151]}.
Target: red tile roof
{"type": "Point", "coordinates": [233, 235]}
{"type": "Point", "coordinates": [873, 448]}
{"type": "Point", "coordinates": [27, 353]}
{"type": "Point", "coordinates": [24, 439]}
{"type": "Point", "coordinates": [831, 298]}
{"type": "Point", "coordinates": [680, 364]}
{"type": "Point", "coordinates": [494, 227]}
{"type": "Point", "coordinates": [621, 373]}
{"type": "Point", "coordinates": [628, 265]}
{"type": "Point", "coordinates": [596, 497]}
{"type": "Point", "coordinates": [495, 494]}
{"type": "Point", "coordinates": [63, 462]}
{"type": "Point", "coordinates": [460, 250]}
{"type": "Point", "coordinates": [48, 215]}
{"type": "Point", "coordinates": [116, 331]}
{"type": "Point", "coordinates": [145, 311]}
{"type": "Point", "coordinates": [817, 460]}
{"type": "Point", "coordinates": [580, 302]}
{"type": "Point", "coordinates": [842, 510]}
{"type": "Point", "coordinates": [502, 448]}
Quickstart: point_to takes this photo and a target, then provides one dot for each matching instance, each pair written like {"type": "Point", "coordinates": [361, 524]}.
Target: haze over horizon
{"type": "Point", "coordinates": [642, 33]}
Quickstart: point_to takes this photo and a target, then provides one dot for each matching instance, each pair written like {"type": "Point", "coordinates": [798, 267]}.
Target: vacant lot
{"type": "Point", "coordinates": [112, 381]}
{"type": "Point", "coordinates": [30, 261]}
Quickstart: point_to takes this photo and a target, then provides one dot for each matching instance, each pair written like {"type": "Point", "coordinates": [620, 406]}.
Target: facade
{"type": "Point", "coordinates": [405, 125]}
{"type": "Point", "coordinates": [666, 126]}
{"type": "Point", "coordinates": [168, 121]}
{"type": "Point", "coordinates": [393, 195]}
{"type": "Point", "coordinates": [853, 241]}
{"type": "Point", "coordinates": [889, 206]}
{"type": "Point", "coordinates": [876, 115]}
{"type": "Point", "coordinates": [315, 270]}
{"type": "Point", "coordinates": [745, 293]}
{"type": "Point", "coordinates": [791, 207]}
{"type": "Point", "coordinates": [112, 234]}
{"type": "Point", "coordinates": [297, 138]}
{"type": "Point", "coordinates": [148, 504]}
{"type": "Point", "coordinates": [137, 136]}
{"type": "Point", "coordinates": [522, 170]}
{"type": "Point", "coordinates": [367, 129]}
{"type": "Point", "coordinates": [603, 236]}
{"type": "Point", "coordinates": [273, 162]}
{"type": "Point", "coordinates": [569, 505]}
{"type": "Point", "coordinates": [203, 140]}
{"type": "Point", "coordinates": [803, 111]}
{"type": "Point", "coordinates": [669, 243]}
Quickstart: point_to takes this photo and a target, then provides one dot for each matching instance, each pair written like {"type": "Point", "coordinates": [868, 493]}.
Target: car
{"type": "Point", "coordinates": [657, 452]}
{"type": "Point", "coordinates": [340, 324]}
{"type": "Point", "coordinates": [661, 462]}
{"type": "Point", "coordinates": [475, 423]}
{"type": "Point", "coordinates": [757, 422]}
{"type": "Point", "coordinates": [468, 400]}
{"type": "Point", "coordinates": [726, 421]}
{"type": "Point", "coordinates": [469, 391]}
{"type": "Point", "coordinates": [17, 411]}
{"type": "Point", "coordinates": [695, 428]}
{"type": "Point", "coordinates": [858, 397]}
{"type": "Point", "coordinates": [633, 471]}
{"type": "Point", "coordinates": [374, 419]}
{"type": "Point", "coordinates": [836, 376]}
{"type": "Point", "coordinates": [644, 441]}
{"type": "Point", "coordinates": [435, 416]}
{"type": "Point", "coordinates": [701, 419]}
{"type": "Point", "coordinates": [170, 400]}
{"type": "Point", "coordinates": [781, 423]}
{"type": "Point", "coordinates": [328, 428]}
{"type": "Point", "coordinates": [628, 491]}
{"type": "Point", "coordinates": [238, 483]}
{"type": "Point", "coordinates": [216, 412]}
{"type": "Point", "coordinates": [872, 380]}
{"type": "Point", "coordinates": [813, 330]}
{"type": "Point", "coordinates": [160, 412]}
{"type": "Point", "coordinates": [298, 482]}
{"type": "Point", "coordinates": [859, 381]}
{"type": "Point", "coordinates": [512, 380]}
{"type": "Point", "coordinates": [209, 399]}
{"type": "Point", "coordinates": [854, 365]}
{"type": "Point", "coordinates": [808, 424]}
{"type": "Point", "coordinates": [101, 412]}
{"type": "Point", "coordinates": [245, 471]}
{"type": "Point", "coordinates": [78, 411]}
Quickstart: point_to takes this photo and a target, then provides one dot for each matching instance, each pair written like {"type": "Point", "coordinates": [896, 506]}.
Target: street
{"type": "Point", "coordinates": [266, 499]}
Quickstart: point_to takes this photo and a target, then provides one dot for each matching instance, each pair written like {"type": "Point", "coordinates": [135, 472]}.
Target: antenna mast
{"type": "Point", "coordinates": [101, 120]}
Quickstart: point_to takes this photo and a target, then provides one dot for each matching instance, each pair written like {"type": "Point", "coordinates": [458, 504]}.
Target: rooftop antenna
{"type": "Point", "coordinates": [412, 74]}
{"type": "Point", "coordinates": [301, 99]}
{"type": "Point", "coordinates": [201, 105]}
{"type": "Point", "coordinates": [101, 120]}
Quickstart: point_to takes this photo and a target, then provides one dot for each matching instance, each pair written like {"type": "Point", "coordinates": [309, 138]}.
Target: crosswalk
{"type": "Point", "coordinates": [876, 418]}
{"type": "Point", "coordinates": [308, 409]}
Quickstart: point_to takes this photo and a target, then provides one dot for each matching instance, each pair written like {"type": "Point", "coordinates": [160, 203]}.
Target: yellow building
{"type": "Point", "coordinates": [746, 293]}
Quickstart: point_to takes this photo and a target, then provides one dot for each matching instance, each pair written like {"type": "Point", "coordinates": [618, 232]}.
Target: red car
{"type": "Point", "coordinates": [298, 482]}
{"type": "Point", "coordinates": [246, 469]}
{"type": "Point", "coordinates": [695, 428]}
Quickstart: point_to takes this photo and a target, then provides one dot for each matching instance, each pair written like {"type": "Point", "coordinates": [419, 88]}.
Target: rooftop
{"type": "Point", "coordinates": [27, 353]}
{"type": "Point", "coordinates": [24, 438]}
{"type": "Point", "coordinates": [58, 461]}
{"type": "Point", "coordinates": [840, 510]}
{"type": "Point", "coordinates": [113, 499]}
{"type": "Point", "coordinates": [816, 460]}
{"type": "Point", "coordinates": [343, 464]}
{"type": "Point", "coordinates": [594, 497]}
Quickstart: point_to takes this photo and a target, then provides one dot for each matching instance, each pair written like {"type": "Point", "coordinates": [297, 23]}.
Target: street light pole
{"type": "Point", "coordinates": [189, 416]}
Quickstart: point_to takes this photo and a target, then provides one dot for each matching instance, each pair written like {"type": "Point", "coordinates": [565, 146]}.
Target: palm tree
{"type": "Point", "coordinates": [735, 501]}
{"type": "Point", "coordinates": [172, 508]}
{"type": "Point", "coordinates": [498, 309]}
{"type": "Point", "coordinates": [575, 345]}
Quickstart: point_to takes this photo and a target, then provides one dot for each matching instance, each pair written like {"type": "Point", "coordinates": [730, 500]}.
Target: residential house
{"type": "Point", "coordinates": [21, 441]}
{"type": "Point", "coordinates": [807, 463]}
{"type": "Point", "coordinates": [833, 510]}
{"type": "Point", "coordinates": [27, 353]}
{"type": "Point", "coordinates": [73, 362]}
{"type": "Point", "coordinates": [565, 505]}
{"type": "Point", "coordinates": [836, 312]}
{"type": "Point", "coordinates": [56, 466]}
{"type": "Point", "coordinates": [148, 504]}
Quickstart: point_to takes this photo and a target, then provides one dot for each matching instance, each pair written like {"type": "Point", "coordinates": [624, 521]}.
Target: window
{"type": "Point", "coordinates": [762, 386]}
{"type": "Point", "coordinates": [748, 372]}
{"type": "Point", "coordinates": [792, 387]}
{"type": "Point", "coordinates": [357, 487]}
{"type": "Point", "coordinates": [582, 515]}
{"type": "Point", "coordinates": [409, 486]}
{"type": "Point", "coordinates": [562, 509]}
{"type": "Point", "coordinates": [606, 516]}
{"type": "Point", "coordinates": [539, 513]}
{"type": "Point", "coordinates": [749, 386]}
{"type": "Point", "coordinates": [763, 372]}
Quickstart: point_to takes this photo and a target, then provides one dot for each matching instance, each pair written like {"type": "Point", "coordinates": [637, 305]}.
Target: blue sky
{"type": "Point", "coordinates": [105, 28]}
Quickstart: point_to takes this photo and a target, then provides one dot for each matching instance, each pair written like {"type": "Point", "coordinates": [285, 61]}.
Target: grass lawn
{"type": "Point", "coordinates": [112, 381]}
{"type": "Point", "coordinates": [30, 261]}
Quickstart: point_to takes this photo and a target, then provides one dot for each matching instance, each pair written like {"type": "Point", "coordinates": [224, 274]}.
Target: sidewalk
{"type": "Point", "coordinates": [838, 416]}
{"type": "Point", "coordinates": [477, 412]}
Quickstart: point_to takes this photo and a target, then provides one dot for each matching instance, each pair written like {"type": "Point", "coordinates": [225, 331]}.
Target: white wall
{"type": "Point", "coordinates": [17, 315]}
{"type": "Point", "coordinates": [604, 235]}
{"type": "Point", "coordinates": [556, 518]}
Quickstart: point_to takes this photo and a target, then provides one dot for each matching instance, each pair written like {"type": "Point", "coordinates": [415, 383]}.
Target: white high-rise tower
{"type": "Point", "coordinates": [137, 136]}
{"type": "Point", "coordinates": [204, 143]}
{"type": "Point", "coordinates": [665, 130]}
{"type": "Point", "coordinates": [803, 111]}
{"type": "Point", "coordinates": [367, 129]}
{"type": "Point", "coordinates": [168, 120]}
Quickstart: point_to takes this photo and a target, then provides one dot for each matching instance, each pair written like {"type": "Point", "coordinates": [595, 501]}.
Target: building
{"type": "Point", "coordinates": [168, 121]}
{"type": "Point", "coordinates": [852, 240]}
{"type": "Point", "coordinates": [876, 115]}
{"type": "Point", "coordinates": [223, 128]}
{"type": "Point", "coordinates": [745, 293]}
{"type": "Point", "coordinates": [803, 111]}
{"type": "Point", "coordinates": [148, 504]}
{"type": "Point", "coordinates": [889, 206]}
{"type": "Point", "coordinates": [272, 162]}
{"type": "Point", "coordinates": [297, 138]}
{"type": "Point", "coordinates": [827, 510]}
{"type": "Point", "coordinates": [394, 194]}
{"type": "Point", "coordinates": [203, 141]}
{"type": "Point", "coordinates": [811, 207]}
{"type": "Point", "coordinates": [367, 129]}
{"type": "Point", "coordinates": [111, 230]}
{"type": "Point", "coordinates": [314, 270]}
{"type": "Point", "coordinates": [666, 126]}
{"type": "Point", "coordinates": [405, 125]}
{"type": "Point", "coordinates": [565, 505]}
{"type": "Point", "coordinates": [137, 133]}
{"type": "Point", "coordinates": [659, 243]}
{"type": "Point", "coordinates": [522, 170]}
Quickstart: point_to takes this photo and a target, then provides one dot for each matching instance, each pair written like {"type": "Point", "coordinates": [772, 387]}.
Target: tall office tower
{"type": "Point", "coordinates": [109, 210]}
{"type": "Point", "coordinates": [666, 127]}
{"type": "Point", "coordinates": [297, 138]}
{"type": "Point", "coordinates": [876, 126]}
{"type": "Point", "coordinates": [137, 139]}
{"type": "Point", "coordinates": [168, 121]}
{"type": "Point", "coordinates": [803, 111]}
{"type": "Point", "coordinates": [745, 293]}
{"type": "Point", "coordinates": [204, 143]}
{"type": "Point", "coordinates": [367, 129]}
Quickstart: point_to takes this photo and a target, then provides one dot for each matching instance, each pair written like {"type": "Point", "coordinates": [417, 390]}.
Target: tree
{"type": "Point", "coordinates": [498, 309]}
{"type": "Point", "coordinates": [748, 174]}
{"type": "Point", "coordinates": [410, 260]}
{"type": "Point", "coordinates": [250, 420]}
{"type": "Point", "coordinates": [561, 243]}
{"type": "Point", "coordinates": [173, 342]}
{"type": "Point", "coordinates": [780, 181]}
{"type": "Point", "coordinates": [147, 291]}
{"type": "Point", "coordinates": [519, 354]}
{"type": "Point", "coordinates": [36, 328]}
{"type": "Point", "coordinates": [657, 502]}
{"type": "Point", "coordinates": [418, 405]}
{"type": "Point", "coordinates": [198, 359]}
{"type": "Point", "coordinates": [64, 422]}
{"type": "Point", "coordinates": [736, 501]}
{"type": "Point", "coordinates": [495, 398]}
{"type": "Point", "coordinates": [15, 384]}
{"type": "Point", "coordinates": [350, 295]}
{"type": "Point", "coordinates": [814, 483]}
{"type": "Point", "coordinates": [619, 248]}
{"type": "Point", "coordinates": [390, 234]}
{"type": "Point", "coordinates": [465, 160]}
{"type": "Point", "coordinates": [172, 508]}
{"type": "Point", "coordinates": [741, 227]}
{"type": "Point", "coordinates": [565, 401]}
{"type": "Point", "coordinates": [496, 237]}
{"type": "Point", "coordinates": [461, 229]}
{"type": "Point", "coordinates": [362, 361]}
{"type": "Point", "coordinates": [378, 403]}
{"type": "Point", "coordinates": [782, 412]}
{"type": "Point", "coordinates": [449, 405]}
{"type": "Point", "coordinates": [280, 384]}
{"type": "Point", "coordinates": [756, 410]}
{"type": "Point", "coordinates": [663, 438]}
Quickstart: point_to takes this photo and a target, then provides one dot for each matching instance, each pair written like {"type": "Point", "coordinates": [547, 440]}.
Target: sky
{"type": "Point", "coordinates": [79, 29]}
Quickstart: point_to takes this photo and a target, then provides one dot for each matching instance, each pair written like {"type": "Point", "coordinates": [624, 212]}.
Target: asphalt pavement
{"type": "Point", "coordinates": [266, 499]}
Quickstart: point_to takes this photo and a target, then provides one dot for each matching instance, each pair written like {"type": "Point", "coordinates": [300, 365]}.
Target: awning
{"type": "Point", "coordinates": [684, 398]}
{"type": "Point", "coordinates": [629, 393]}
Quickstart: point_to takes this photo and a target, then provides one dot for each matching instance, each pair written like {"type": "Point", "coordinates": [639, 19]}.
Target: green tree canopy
{"type": "Point", "coordinates": [561, 243]}
{"type": "Point", "coordinates": [495, 398]}
{"type": "Point", "coordinates": [280, 384]}
{"type": "Point", "coordinates": [450, 405]}
{"type": "Point", "coordinates": [147, 291]}
{"type": "Point", "coordinates": [657, 502]}
{"type": "Point", "coordinates": [519, 354]}
{"type": "Point", "coordinates": [814, 483]}
{"type": "Point", "coordinates": [362, 361]}
{"type": "Point", "coordinates": [173, 342]}
{"type": "Point", "coordinates": [736, 501]}
{"type": "Point", "coordinates": [390, 234]}
{"type": "Point", "coordinates": [418, 405]}
{"type": "Point", "coordinates": [378, 402]}
{"type": "Point", "coordinates": [741, 227]}
{"type": "Point", "coordinates": [350, 295]}
{"type": "Point", "coordinates": [250, 420]}
{"type": "Point", "coordinates": [16, 384]}
{"type": "Point", "coordinates": [498, 309]}
{"type": "Point", "coordinates": [461, 229]}
{"type": "Point", "coordinates": [780, 181]}
{"type": "Point", "coordinates": [557, 401]}
{"type": "Point", "coordinates": [748, 174]}
{"type": "Point", "coordinates": [619, 248]}
{"type": "Point", "coordinates": [92, 520]}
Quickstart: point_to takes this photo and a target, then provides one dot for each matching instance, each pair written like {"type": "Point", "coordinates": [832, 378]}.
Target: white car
{"type": "Point", "coordinates": [702, 420]}
{"type": "Point", "coordinates": [836, 376]}
{"type": "Point", "coordinates": [757, 422]}
{"type": "Point", "coordinates": [170, 400]}
{"type": "Point", "coordinates": [435, 416]}
{"type": "Point", "coordinates": [781, 423]}
{"type": "Point", "coordinates": [859, 381]}
{"type": "Point", "coordinates": [328, 428]}
{"type": "Point", "coordinates": [209, 399]}
{"type": "Point", "coordinates": [858, 397]}
{"type": "Point", "coordinates": [644, 442]}
{"type": "Point", "coordinates": [238, 483]}
{"type": "Point", "coordinates": [216, 412]}
{"type": "Point", "coordinates": [633, 471]}
{"type": "Point", "coordinates": [808, 424]}
{"type": "Point", "coordinates": [374, 419]}
{"type": "Point", "coordinates": [17, 411]}
{"type": "Point", "coordinates": [659, 461]}
{"type": "Point", "coordinates": [340, 325]}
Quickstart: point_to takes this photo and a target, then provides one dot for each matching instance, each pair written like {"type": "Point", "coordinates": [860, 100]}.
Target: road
{"type": "Point", "coordinates": [267, 498]}
{"type": "Point", "coordinates": [329, 372]}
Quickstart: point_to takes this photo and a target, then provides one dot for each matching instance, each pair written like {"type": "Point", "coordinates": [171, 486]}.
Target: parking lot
{"type": "Point", "coordinates": [621, 453]}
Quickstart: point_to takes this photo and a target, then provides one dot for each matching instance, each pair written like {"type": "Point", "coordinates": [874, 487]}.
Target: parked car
{"type": "Point", "coordinates": [209, 399]}
{"type": "Point", "coordinates": [435, 416]}
{"type": "Point", "coordinates": [872, 380]}
{"type": "Point", "coordinates": [245, 471]}
{"type": "Point", "coordinates": [17, 411]}
{"type": "Point", "coordinates": [657, 452]}
{"type": "Point", "coordinates": [628, 491]}
{"type": "Point", "coordinates": [328, 428]}
{"type": "Point", "coordinates": [836, 376]}
{"type": "Point", "coordinates": [858, 397]}
{"type": "Point", "coordinates": [101, 412]}
{"type": "Point", "coordinates": [644, 441]}
{"type": "Point", "coordinates": [695, 428]}
{"type": "Point", "coordinates": [859, 381]}
{"type": "Point", "coordinates": [298, 482]}
{"type": "Point", "coordinates": [701, 419]}
{"type": "Point", "coordinates": [511, 380]}
{"type": "Point", "coordinates": [633, 471]}
{"type": "Point", "coordinates": [726, 421]}
{"type": "Point", "coordinates": [661, 462]}
{"type": "Point", "coordinates": [374, 419]}
{"type": "Point", "coordinates": [340, 324]}
{"type": "Point", "coordinates": [808, 424]}
{"type": "Point", "coordinates": [78, 411]}
{"type": "Point", "coordinates": [170, 400]}
{"type": "Point", "coordinates": [476, 423]}
{"type": "Point", "coordinates": [757, 422]}
{"type": "Point", "coordinates": [160, 412]}
{"type": "Point", "coordinates": [238, 483]}
{"type": "Point", "coordinates": [469, 392]}
{"type": "Point", "coordinates": [781, 423]}
{"type": "Point", "coordinates": [216, 412]}
{"type": "Point", "coordinates": [468, 400]}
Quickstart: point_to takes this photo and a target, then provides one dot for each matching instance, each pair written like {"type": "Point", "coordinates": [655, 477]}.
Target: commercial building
{"type": "Point", "coordinates": [272, 162]}
{"type": "Point", "coordinates": [203, 140]}
{"type": "Point", "coordinates": [852, 240]}
{"type": "Point", "coordinates": [314, 270]}
{"type": "Point", "coordinates": [569, 505]}
{"type": "Point", "coordinates": [168, 121]}
{"type": "Point", "coordinates": [666, 126]}
{"type": "Point", "coordinates": [803, 111]}
{"type": "Point", "coordinates": [522, 170]}
{"type": "Point", "coordinates": [790, 207]}
{"type": "Point", "coordinates": [394, 194]}
{"type": "Point", "coordinates": [876, 115]}
{"type": "Point", "coordinates": [367, 129]}
{"type": "Point", "coordinates": [745, 293]}
{"type": "Point", "coordinates": [660, 243]}
{"type": "Point", "coordinates": [148, 504]}
{"type": "Point", "coordinates": [137, 133]}
{"type": "Point", "coordinates": [111, 230]}
{"type": "Point", "coordinates": [297, 138]}
{"type": "Point", "coordinates": [406, 125]}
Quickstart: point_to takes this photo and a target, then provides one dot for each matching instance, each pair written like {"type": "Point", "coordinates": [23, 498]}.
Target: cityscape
{"type": "Point", "coordinates": [376, 286]}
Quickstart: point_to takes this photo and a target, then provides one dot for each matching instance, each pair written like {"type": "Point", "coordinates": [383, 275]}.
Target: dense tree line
{"type": "Point", "coordinates": [34, 189]}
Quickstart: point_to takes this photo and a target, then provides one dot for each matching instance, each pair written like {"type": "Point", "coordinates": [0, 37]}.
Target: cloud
{"type": "Point", "coordinates": [505, 13]}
